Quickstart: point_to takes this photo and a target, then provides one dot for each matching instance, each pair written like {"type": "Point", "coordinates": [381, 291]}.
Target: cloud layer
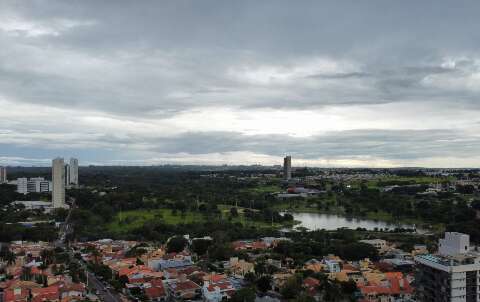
{"type": "Point", "coordinates": [377, 83]}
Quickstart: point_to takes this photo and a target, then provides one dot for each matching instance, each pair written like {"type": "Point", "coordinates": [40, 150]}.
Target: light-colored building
{"type": "Point", "coordinates": [22, 185]}
{"type": "Point", "coordinates": [58, 183]}
{"type": "Point", "coordinates": [67, 176]}
{"type": "Point", "coordinates": [453, 244]}
{"type": "Point", "coordinates": [451, 275]}
{"type": "Point", "coordinates": [45, 206]}
{"type": "Point", "coordinates": [3, 175]}
{"type": "Point", "coordinates": [33, 185]}
{"type": "Point", "coordinates": [287, 167]}
{"type": "Point", "coordinates": [73, 171]}
{"type": "Point", "coordinates": [37, 185]}
{"type": "Point", "coordinates": [379, 244]}
{"type": "Point", "coordinates": [332, 266]}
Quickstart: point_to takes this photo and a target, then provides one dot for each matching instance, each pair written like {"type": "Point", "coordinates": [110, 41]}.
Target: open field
{"type": "Point", "coordinates": [405, 180]}
{"type": "Point", "coordinates": [129, 220]}
{"type": "Point", "coordinates": [265, 189]}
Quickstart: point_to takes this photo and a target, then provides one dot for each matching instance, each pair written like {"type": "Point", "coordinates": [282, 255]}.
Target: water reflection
{"type": "Point", "coordinates": [316, 221]}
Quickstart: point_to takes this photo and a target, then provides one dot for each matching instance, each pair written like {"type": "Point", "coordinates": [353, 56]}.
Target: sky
{"type": "Point", "coordinates": [332, 83]}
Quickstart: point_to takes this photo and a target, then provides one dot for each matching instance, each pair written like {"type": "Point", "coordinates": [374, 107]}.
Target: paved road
{"type": "Point", "coordinates": [107, 295]}
{"type": "Point", "coordinates": [103, 293]}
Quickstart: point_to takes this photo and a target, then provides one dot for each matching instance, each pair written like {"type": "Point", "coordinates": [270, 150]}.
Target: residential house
{"type": "Point", "coordinates": [186, 290]}
{"type": "Point", "coordinates": [217, 291]}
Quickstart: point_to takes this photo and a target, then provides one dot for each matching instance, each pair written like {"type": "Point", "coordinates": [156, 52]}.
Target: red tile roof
{"type": "Point", "coordinates": [154, 292]}
{"type": "Point", "coordinates": [78, 287]}
{"type": "Point", "coordinates": [156, 282]}
{"type": "Point", "coordinates": [9, 295]}
{"type": "Point", "coordinates": [394, 287]}
{"type": "Point", "coordinates": [311, 282]}
{"type": "Point", "coordinates": [186, 285]}
{"type": "Point", "coordinates": [46, 297]}
{"type": "Point", "coordinates": [52, 289]}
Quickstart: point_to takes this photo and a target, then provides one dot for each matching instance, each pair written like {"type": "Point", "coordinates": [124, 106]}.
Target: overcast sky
{"type": "Point", "coordinates": [333, 83]}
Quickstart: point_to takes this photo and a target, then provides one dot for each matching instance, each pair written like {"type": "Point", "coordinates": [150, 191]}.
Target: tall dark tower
{"type": "Point", "coordinates": [287, 167]}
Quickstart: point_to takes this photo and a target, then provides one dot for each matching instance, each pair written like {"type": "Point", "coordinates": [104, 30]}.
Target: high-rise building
{"type": "Point", "coordinates": [287, 167]}
{"type": "Point", "coordinates": [74, 171]}
{"type": "Point", "coordinates": [453, 274]}
{"type": "Point", "coordinates": [58, 183]}
{"type": "Point", "coordinates": [3, 175]}
{"type": "Point", "coordinates": [67, 176]}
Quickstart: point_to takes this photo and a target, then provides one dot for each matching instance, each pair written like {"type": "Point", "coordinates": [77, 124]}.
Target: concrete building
{"type": "Point", "coordinates": [40, 185]}
{"type": "Point", "coordinates": [67, 176]}
{"type": "Point", "coordinates": [3, 175]}
{"type": "Point", "coordinates": [332, 266]}
{"type": "Point", "coordinates": [58, 183]}
{"type": "Point", "coordinates": [33, 185]}
{"type": "Point", "coordinates": [22, 185]}
{"type": "Point", "coordinates": [451, 275]}
{"type": "Point", "coordinates": [45, 206]}
{"type": "Point", "coordinates": [287, 167]}
{"type": "Point", "coordinates": [379, 244]}
{"type": "Point", "coordinates": [453, 244]}
{"type": "Point", "coordinates": [73, 172]}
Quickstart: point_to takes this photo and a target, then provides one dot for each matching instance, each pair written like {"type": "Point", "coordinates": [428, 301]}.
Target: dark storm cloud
{"type": "Point", "coordinates": [155, 50]}
{"type": "Point", "coordinates": [388, 144]}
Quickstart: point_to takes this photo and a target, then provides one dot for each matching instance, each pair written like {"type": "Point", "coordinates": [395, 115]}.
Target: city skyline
{"type": "Point", "coordinates": [334, 84]}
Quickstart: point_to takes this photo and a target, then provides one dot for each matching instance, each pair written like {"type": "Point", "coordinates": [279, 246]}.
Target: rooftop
{"type": "Point", "coordinates": [456, 260]}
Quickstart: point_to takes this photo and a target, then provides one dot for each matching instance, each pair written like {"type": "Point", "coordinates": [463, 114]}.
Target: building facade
{"type": "Point", "coordinates": [58, 183]}
{"type": "Point", "coordinates": [73, 177]}
{"type": "Point", "coordinates": [3, 175]}
{"type": "Point", "coordinates": [33, 185]}
{"type": "Point", "coordinates": [22, 185]}
{"type": "Point", "coordinates": [67, 175]}
{"type": "Point", "coordinates": [452, 275]}
{"type": "Point", "coordinates": [287, 167]}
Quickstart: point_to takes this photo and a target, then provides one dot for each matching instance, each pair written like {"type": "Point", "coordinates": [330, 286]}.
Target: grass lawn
{"type": "Point", "coordinates": [265, 189]}
{"type": "Point", "coordinates": [421, 180]}
{"type": "Point", "coordinates": [129, 220]}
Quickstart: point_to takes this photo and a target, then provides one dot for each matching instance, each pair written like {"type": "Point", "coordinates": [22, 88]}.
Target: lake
{"type": "Point", "coordinates": [316, 221]}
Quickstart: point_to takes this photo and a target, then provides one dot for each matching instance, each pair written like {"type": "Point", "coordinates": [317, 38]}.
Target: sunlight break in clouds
{"type": "Point", "coordinates": [331, 83]}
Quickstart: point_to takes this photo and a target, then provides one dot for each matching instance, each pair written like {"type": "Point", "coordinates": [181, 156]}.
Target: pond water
{"type": "Point", "coordinates": [316, 221]}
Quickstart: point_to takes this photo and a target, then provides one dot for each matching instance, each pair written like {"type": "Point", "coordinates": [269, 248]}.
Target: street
{"type": "Point", "coordinates": [104, 294]}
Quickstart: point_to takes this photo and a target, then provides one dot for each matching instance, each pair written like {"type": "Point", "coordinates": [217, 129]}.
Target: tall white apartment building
{"type": "Point", "coordinates": [58, 183]}
{"type": "Point", "coordinates": [67, 176]}
{"type": "Point", "coordinates": [451, 275]}
{"type": "Point", "coordinates": [3, 175]}
{"type": "Point", "coordinates": [73, 171]}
